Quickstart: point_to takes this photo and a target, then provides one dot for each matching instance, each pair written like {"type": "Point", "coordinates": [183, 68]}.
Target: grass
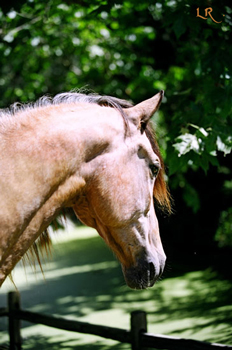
{"type": "Point", "coordinates": [84, 281]}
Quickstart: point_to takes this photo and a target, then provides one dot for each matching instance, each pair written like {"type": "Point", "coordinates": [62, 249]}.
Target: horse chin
{"type": "Point", "coordinates": [144, 274]}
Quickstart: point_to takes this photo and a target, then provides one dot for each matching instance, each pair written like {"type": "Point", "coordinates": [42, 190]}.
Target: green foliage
{"type": "Point", "coordinates": [131, 50]}
{"type": "Point", "coordinates": [223, 235]}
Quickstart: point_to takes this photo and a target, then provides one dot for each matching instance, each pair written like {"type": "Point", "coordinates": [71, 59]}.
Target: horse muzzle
{"type": "Point", "coordinates": [145, 273]}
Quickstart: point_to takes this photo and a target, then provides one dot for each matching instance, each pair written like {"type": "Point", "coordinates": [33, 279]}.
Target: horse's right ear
{"type": "Point", "coordinates": [141, 113]}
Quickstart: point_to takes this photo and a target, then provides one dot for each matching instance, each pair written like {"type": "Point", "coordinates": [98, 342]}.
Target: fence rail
{"type": "Point", "coordinates": [137, 336]}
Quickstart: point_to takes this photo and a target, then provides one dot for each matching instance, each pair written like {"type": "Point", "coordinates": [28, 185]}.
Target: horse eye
{"type": "Point", "coordinates": [154, 169]}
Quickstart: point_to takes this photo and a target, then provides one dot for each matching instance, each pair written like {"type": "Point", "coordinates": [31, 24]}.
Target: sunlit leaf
{"type": "Point", "coordinates": [186, 143]}
{"type": "Point", "coordinates": [224, 146]}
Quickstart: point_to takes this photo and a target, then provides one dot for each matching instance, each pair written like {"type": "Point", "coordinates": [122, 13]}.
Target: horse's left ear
{"type": "Point", "coordinates": [141, 113]}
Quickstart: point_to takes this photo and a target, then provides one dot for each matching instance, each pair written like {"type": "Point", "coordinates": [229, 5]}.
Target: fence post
{"type": "Point", "coordinates": [14, 324]}
{"type": "Point", "coordinates": [138, 326]}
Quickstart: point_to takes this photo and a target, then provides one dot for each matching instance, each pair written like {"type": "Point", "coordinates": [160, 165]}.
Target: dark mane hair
{"type": "Point", "coordinates": [161, 193]}
{"type": "Point", "coordinates": [68, 97]}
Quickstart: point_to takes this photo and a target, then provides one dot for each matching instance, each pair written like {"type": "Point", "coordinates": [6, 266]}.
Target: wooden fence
{"type": "Point", "coordinates": [137, 336]}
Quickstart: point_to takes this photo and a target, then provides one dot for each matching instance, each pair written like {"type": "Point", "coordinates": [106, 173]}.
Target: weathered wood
{"type": "Point", "coordinates": [173, 343]}
{"type": "Point", "coordinates": [138, 336]}
{"type": "Point", "coordinates": [3, 311]}
{"type": "Point", "coordinates": [138, 326]}
{"type": "Point", "coordinates": [14, 323]}
{"type": "Point", "coordinates": [118, 334]}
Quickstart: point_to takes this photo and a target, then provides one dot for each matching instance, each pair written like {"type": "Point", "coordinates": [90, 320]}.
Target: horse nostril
{"type": "Point", "coordinates": [151, 271]}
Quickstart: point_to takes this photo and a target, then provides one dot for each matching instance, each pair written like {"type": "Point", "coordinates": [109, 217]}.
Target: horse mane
{"type": "Point", "coordinates": [161, 193]}
{"type": "Point", "coordinates": [68, 98]}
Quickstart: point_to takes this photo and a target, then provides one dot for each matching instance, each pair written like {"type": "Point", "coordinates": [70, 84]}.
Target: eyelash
{"type": "Point", "coordinates": [154, 169]}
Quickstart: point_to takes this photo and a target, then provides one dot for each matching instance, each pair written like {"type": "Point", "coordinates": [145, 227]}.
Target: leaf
{"type": "Point", "coordinates": [204, 163]}
{"type": "Point", "coordinates": [191, 197]}
{"type": "Point", "coordinates": [176, 164]}
{"type": "Point", "coordinates": [213, 160]}
{"type": "Point", "coordinates": [224, 146]}
{"type": "Point", "coordinates": [179, 26]}
{"type": "Point", "coordinates": [200, 129]}
{"type": "Point", "coordinates": [187, 143]}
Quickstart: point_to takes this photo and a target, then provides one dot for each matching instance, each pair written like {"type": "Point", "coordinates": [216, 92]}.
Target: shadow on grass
{"type": "Point", "coordinates": [42, 343]}
{"type": "Point", "coordinates": [86, 282]}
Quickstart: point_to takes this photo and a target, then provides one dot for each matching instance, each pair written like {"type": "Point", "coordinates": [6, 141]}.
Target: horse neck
{"type": "Point", "coordinates": [35, 152]}
{"type": "Point", "coordinates": [40, 171]}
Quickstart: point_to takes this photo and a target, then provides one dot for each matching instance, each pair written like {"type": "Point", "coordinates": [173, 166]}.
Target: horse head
{"type": "Point", "coordinates": [123, 177]}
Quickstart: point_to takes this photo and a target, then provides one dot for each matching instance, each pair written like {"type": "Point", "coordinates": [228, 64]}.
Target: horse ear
{"type": "Point", "coordinates": [141, 113]}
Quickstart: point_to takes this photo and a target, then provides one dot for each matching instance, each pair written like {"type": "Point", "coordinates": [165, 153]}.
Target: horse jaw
{"type": "Point", "coordinates": [139, 251]}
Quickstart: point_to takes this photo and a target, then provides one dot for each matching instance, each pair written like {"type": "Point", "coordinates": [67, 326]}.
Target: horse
{"type": "Point", "coordinates": [95, 154]}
